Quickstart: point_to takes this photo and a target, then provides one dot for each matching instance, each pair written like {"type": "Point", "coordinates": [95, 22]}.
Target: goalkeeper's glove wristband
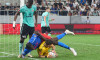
{"type": "Point", "coordinates": [14, 23]}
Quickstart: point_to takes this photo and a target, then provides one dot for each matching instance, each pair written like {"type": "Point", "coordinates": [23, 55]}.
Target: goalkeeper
{"type": "Point", "coordinates": [37, 38]}
{"type": "Point", "coordinates": [27, 28]}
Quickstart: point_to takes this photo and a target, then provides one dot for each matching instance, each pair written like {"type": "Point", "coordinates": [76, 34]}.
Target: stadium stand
{"type": "Point", "coordinates": [58, 7]}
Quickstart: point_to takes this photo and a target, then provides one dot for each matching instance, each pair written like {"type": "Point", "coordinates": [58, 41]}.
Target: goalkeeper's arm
{"type": "Point", "coordinates": [15, 17]}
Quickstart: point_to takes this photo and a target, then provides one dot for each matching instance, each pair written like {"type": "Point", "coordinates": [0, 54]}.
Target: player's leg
{"type": "Point", "coordinates": [43, 29]}
{"type": "Point", "coordinates": [63, 45]}
{"type": "Point", "coordinates": [25, 52]}
{"type": "Point", "coordinates": [31, 31]}
{"type": "Point", "coordinates": [67, 47]}
{"type": "Point", "coordinates": [23, 36]}
{"type": "Point", "coordinates": [49, 31]}
{"type": "Point", "coordinates": [63, 34]}
{"type": "Point", "coordinates": [29, 47]}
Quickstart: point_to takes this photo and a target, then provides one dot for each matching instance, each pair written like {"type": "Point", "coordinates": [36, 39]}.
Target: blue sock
{"type": "Point", "coordinates": [63, 45]}
{"type": "Point", "coordinates": [61, 36]}
{"type": "Point", "coordinates": [26, 51]}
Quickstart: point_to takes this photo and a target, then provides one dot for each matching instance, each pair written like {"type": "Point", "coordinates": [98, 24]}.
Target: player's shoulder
{"type": "Point", "coordinates": [42, 45]}
{"type": "Point", "coordinates": [45, 13]}
{"type": "Point", "coordinates": [33, 6]}
{"type": "Point", "coordinates": [23, 7]}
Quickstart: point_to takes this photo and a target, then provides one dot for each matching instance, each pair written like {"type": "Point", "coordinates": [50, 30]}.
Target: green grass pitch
{"type": "Point", "coordinates": [87, 47]}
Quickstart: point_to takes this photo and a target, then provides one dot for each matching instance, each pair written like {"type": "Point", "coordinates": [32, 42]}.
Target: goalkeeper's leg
{"type": "Point", "coordinates": [63, 34]}
{"type": "Point", "coordinates": [67, 47]}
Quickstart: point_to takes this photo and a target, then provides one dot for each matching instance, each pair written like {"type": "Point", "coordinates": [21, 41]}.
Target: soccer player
{"type": "Point", "coordinates": [27, 28]}
{"type": "Point", "coordinates": [43, 50]}
{"type": "Point", "coordinates": [35, 41]}
{"type": "Point", "coordinates": [45, 22]}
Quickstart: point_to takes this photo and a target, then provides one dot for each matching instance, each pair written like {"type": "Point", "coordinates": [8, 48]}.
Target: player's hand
{"type": "Point", "coordinates": [14, 24]}
{"type": "Point", "coordinates": [49, 56]}
{"type": "Point", "coordinates": [53, 51]}
{"type": "Point", "coordinates": [46, 25]}
{"type": "Point", "coordinates": [35, 24]}
{"type": "Point", "coordinates": [52, 19]}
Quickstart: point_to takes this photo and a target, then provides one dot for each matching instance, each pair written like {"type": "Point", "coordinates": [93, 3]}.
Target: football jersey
{"type": "Point", "coordinates": [47, 19]}
{"type": "Point", "coordinates": [43, 50]}
{"type": "Point", "coordinates": [35, 41]}
{"type": "Point", "coordinates": [28, 15]}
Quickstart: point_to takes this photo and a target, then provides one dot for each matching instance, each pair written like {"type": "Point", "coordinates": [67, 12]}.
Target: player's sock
{"type": "Point", "coordinates": [26, 51]}
{"type": "Point", "coordinates": [49, 34]}
{"type": "Point", "coordinates": [63, 45]}
{"type": "Point", "coordinates": [61, 36]}
{"type": "Point", "coordinates": [20, 48]}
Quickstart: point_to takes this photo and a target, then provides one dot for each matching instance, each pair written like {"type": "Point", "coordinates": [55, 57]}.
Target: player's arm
{"type": "Point", "coordinates": [15, 17]}
{"type": "Point", "coordinates": [51, 20]}
{"type": "Point", "coordinates": [41, 53]}
{"type": "Point", "coordinates": [41, 50]}
{"type": "Point", "coordinates": [36, 15]}
{"type": "Point", "coordinates": [53, 49]}
{"type": "Point", "coordinates": [45, 20]}
{"type": "Point", "coordinates": [36, 32]}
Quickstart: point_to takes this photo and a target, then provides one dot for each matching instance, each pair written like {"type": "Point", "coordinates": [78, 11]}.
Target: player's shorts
{"type": "Point", "coordinates": [44, 29]}
{"type": "Point", "coordinates": [25, 30]}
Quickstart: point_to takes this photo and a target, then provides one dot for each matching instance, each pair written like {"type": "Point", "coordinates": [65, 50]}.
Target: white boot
{"type": "Point", "coordinates": [73, 51]}
{"type": "Point", "coordinates": [69, 32]}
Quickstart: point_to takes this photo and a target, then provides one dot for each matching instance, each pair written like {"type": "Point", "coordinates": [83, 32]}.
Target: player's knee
{"type": "Point", "coordinates": [21, 40]}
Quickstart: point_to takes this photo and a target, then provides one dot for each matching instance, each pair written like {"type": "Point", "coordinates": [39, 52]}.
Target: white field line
{"type": "Point", "coordinates": [15, 55]}
{"type": "Point", "coordinates": [86, 44]}
{"type": "Point", "coordinates": [7, 53]}
{"type": "Point", "coordinates": [1, 43]}
{"type": "Point", "coordinates": [3, 56]}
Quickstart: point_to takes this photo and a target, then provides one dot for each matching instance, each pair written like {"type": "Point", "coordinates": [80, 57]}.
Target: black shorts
{"type": "Point", "coordinates": [44, 29]}
{"type": "Point", "coordinates": [26, 30]}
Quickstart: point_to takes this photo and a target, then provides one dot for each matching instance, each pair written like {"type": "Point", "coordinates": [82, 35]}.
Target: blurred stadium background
{"type": "Point", "coordinates": [68, 14]}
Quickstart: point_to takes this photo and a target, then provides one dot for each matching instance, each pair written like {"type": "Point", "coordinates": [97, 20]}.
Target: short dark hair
{"type": "Point", "coordinates": [30, 1]}
{"type": "Point", "coordinates": [47, 8]}
{"type": "Point", "coordinates": [87, 17]}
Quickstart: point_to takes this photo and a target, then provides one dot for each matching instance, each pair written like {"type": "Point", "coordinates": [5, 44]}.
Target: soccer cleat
{"type": "Point", "coordinates": [23, 56]}
{"type": "Point", "coordinates": [29, 55]}
{"type": "Point", "coordinates": [19, 56]}
{"type": "Point", "coordinates": [73, 51]}
{"type": "Point", "coordinates": [69, 32]}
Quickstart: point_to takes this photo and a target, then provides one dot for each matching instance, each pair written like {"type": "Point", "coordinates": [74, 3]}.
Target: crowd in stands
{"type": "Point", "coordinates": [64, 7]}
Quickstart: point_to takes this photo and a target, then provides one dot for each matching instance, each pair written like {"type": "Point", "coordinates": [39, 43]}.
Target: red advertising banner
{"type": "Point", "coordinates": [57, 28]}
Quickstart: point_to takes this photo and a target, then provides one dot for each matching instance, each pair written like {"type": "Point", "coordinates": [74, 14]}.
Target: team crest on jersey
{"type": "Point", "coordinates": [32, 10]}
{"type": "Point", "coordinates": [34, 36]}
